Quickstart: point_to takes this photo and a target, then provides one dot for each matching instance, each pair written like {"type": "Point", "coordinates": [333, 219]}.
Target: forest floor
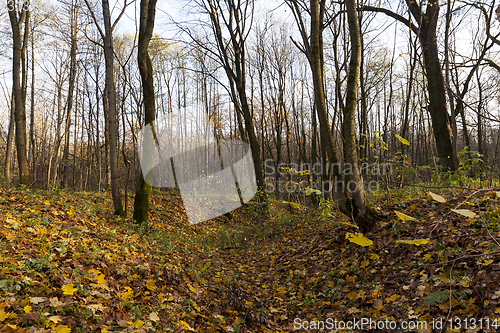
{"type": "Point", "coordinates": [69, 265]}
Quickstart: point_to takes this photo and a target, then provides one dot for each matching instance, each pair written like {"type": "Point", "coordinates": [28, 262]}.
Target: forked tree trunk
{"type": "Point", "coordinates": [315, 60]}
{"type": "Point", "coordinates": [354, 181]}
{"type": "Point", "coordinates": [19, 107]}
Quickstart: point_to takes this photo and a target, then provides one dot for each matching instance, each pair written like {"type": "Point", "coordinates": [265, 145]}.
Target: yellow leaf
{"type": "Point", "coordinates": [27, 309]}
{"type": "Point", "coordinates": [281, 290]}
{"type": "Point", "coordinates": [392, 298]}
{"type": "Point", "coordinates": [69, 289]}
{"type": "Point", "coordinates": [55, 319]}
{"type": "Point", "coordinates": [127, 294]}
{"type": "Point", "coordinates": [62, 329]}
{"type": "Point", "coordinates": [138, 324]}
{"type": "Point", "coordinates": [376, 292]}
{"type": "Point", "coordinates": [465, 212]}
{"type": "Point", "coordinates": [153, 316]}
{"type": "Point", "coordinates": [150, 285]}
{"type": "Point", "coordinates": [47, 202]}
{"type": "Point", "coordinates": [403, 140]}
{"type": "Point", "coordinates": [487, 262]}
{"type": "Point", "coordinates": [12, 326]}
{"type": "Point", "coordinates": [101, 279]}
{"type": "Point", "coordinates": [7, 315]}
{"type": "Point", "coordinates": [194, 290]}
{"type": "Point", "coordinates": [413, 242]}
{"type": "Point", "coordinates": [353, 295]}
{"type": "Point", "coordinates": [437, 197]}
{"type": "Point", "coordinates": [404, 217]}
{"type": "Point", "coordinates": [358, 238]}
{"type": "Point", "coordinates": [186, 326]}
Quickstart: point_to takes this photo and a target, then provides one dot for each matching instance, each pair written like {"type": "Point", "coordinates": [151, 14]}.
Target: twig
{"type": "Point", "coordinates": [464, 257]}
{"type": "Point", "coordinates": [442, 187]}
{"type": "Point", "coordinates": [476, 192]}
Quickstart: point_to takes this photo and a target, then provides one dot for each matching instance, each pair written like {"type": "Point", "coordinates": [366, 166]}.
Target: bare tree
{"type": "Point", "coordinates": [425, 28]}
{"type": "Point", "coordinates": [17, 18]}
{"type": "Point", "coordinates": [107, 37]}
{"type": "Point", "coordinates": [146, 25]}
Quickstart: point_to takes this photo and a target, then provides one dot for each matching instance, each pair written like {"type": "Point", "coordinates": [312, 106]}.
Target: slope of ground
{"type": "Point", "coordinates": [68, 265]}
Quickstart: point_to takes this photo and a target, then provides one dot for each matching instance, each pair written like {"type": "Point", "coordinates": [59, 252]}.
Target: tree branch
{"type": "Point", "coordinates": [390, 13]}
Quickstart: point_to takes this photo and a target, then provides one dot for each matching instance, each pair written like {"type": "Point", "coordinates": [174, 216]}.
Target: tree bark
{"type": "Point", "coordinates": [426, 31]}
{"type": "Point", "coordinates": [10, 134]}
{"type": "Point", "coordinates": [146, 25]}
{"type": "Point", "coordinates": [315, 60]}
{"type": "Point", "coordinates": [71, 88]}
{"type": "Point", "coordinates": [353, 179]}
{"type": "Point", "coordinates": [19, 107]}
{"type": "Point", "coordinates": [113, 127]}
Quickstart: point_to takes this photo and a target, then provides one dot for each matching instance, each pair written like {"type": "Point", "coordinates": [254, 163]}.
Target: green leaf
{"type": "Point", "coordinates": [358, 238]}
{"type": "Point", "coordinates": [403, 140]}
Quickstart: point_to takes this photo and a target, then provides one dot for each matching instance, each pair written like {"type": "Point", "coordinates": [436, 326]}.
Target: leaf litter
{"type": "Point", "coordinates": [68, 265]}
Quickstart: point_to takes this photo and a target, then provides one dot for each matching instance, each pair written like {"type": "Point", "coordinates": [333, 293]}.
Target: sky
{"type": "Point", "coordinates": [168, 11]}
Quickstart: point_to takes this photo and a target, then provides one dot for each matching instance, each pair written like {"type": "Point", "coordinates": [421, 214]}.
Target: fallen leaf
{"type": "Point", "coordinates": [437, 197]}
{"type": "Point", "coordinates": [153, 316]}
{"type": "Point", "coordinates": [404, 217]}
{"type": "Point", "coordinates": [54, 302]}
{"type": "Point", "coordinates": [465, 212]}
{"type": "Point", "coordinates": [55, 319]}
{"type": "Point", "coordinates": [150, 285]}
{"type": "Point", "coordinates": [69, 289]}
{"type": "Point", "coordinates": [62, 329]}
{"type": "Point", "coordinates": [36, 300]}
{"type": "Point", "coordinates": [413, 241]}
{"type": "Point", "coordinates": [358, 238]}
{"type": "Point", "coordinates": [101, 279]}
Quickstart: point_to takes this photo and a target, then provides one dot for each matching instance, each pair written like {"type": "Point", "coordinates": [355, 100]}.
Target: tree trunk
{"type": "Point", "coordinates": [353, 179]}
{"type": "Point", "coordinates": [71, 88]}
{"type": "Point", "coordinates": [315, 59]}
{"type": "Point", "coordinates": [113, 127]}
{"type": "Point", "coordinates": [435, 84]}
{"type": "Point", "coordinates": [147, 18]}
{"type": "Point", "coordinates": [19, 107]}
{"type": "Point", "coordinates": [10, 134]}
{"type": "Point", "coordinates": [31, 148]}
